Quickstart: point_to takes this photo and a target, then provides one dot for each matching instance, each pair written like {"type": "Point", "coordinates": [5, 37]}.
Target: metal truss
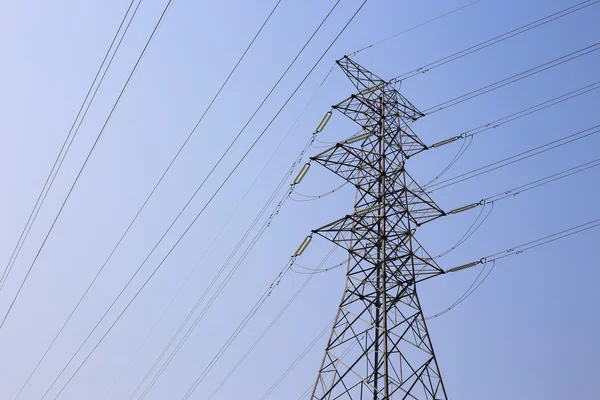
{"type": "Point", "coordinates": [379, 346]}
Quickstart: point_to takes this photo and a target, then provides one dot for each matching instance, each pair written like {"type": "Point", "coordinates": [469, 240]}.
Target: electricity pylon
{"type": "Point", "coordinates": [379, 346]}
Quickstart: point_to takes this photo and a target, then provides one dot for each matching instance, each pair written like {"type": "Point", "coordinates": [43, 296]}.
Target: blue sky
{"type": "Point", "coordinates": [527, 333]}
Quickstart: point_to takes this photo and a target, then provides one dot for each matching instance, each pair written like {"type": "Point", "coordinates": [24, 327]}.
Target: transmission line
{"type": "Point", "coordinates": [467, 293]}
{"type": "Point", "coordinates": [223, 284]}
{"type": "Point", "coordinates": [515, 192]}
{"type": "Point", "coordinates": [247, 319]}
{"type": "Point", "coordinates": [300, 357]}
{"type": "Point", "coordinates": [543, 181]}
{"type": "Point", "coordinates": [514, 78]}
{"type": "Point", "coordinates": [533, 109]}
{"type": "Point", "coordinates": [269, 201]}
{"type": "Point", "coordinates": [542, 241]}
{"type": "Point", "coordinates": [489, 200]}
{"type": "Point", "coordinates": [204, 207]}
{"type": "Point", "coordinates": [479, 221]}
{"type": "Point", "coordinates": [515, 158]}
{"type": "Point", "coordinates": [91, 284]}
{"type": "Point", "coordinates": [513, 251]}
{"type": "Point", "coordinates": [266, 224]}
{"type": "Point", "coordinates": [263, 334]}
{"type": "Point", "coordinates": [73, 131]}
{"type": "Point", "coordinates": [319, 196]}
{"type": "Point", "coordinates": [495, 40]}
{"type": "Point", "coordinates": [413, 28]}
{"type": "Point", "coordinates": [492, 200]}
{"type": "Point", "coordinates": [114, 107]}
{"type": "Point", "coordinates": [468, 135]}
{"type": "Point", "coordinates": [225, 264]}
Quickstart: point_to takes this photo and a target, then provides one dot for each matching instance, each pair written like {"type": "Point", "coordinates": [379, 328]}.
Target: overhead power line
{"type": "Point", "coordinates": [489, 200]}
{"type": "Point", "coordinates": [495, 40]}
{"type": "Point", "coordinates": [514, 78]}
{"type": "Point", "coordinates": [262, 335]}
{"type": "Point", "coordinates": [467, 293]}
{"type": "Point", "coordinates": [238, 246]}
{"type": "Point", "coordinates": [565, 140]}
{"type": "Point", "coordinates": [261, 213]}
{"type": "Point", "coordinates": [98, 136]}
{"type": "Point", "coordinates": [492, 200]}
{"type": "Point", "coordinates": [543, 181]}
{"type": "Point", "coordinates": [531, 110]}
{"type": "Point", "coordinates": [66, 146]}
{"type": "Point", "coordinates": [300, 357]}
{"type": "Point", "coordinates": [513, 251]}
{"type": "Point", "coordinates": [413, 28]}
{"type": "Point", "coordinates": [221, 287]}
{"type": "Point", "coordinates": [132, 222]}
{"type": "Point", "coordinates": [510, 252]}
{"type": "Point", "coordinates": [516, 250]}
{"type": "Point", "coordinates": [204, 207]}
{"type": "Point", "coordinates": [468, 135]}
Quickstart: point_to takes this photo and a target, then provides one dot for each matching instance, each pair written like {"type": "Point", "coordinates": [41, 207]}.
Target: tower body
{"type": "Point", "coordinates": [379, 347]}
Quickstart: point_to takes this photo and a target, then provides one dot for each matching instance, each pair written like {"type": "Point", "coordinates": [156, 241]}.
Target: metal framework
{"type": "Point", "coordinates": [379, 346]}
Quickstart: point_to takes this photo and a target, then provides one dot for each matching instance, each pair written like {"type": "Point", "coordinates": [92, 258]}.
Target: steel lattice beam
{"type": "Point", "coordinates": [379, 346]}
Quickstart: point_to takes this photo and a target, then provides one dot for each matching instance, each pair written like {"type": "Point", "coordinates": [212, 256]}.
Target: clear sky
{"type": "Point", "coordinates": [529, 332]}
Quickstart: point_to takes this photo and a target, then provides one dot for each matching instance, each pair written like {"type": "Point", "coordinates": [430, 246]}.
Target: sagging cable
{"type": "Point", "coordinates": [312, 271]}
{"type": "Point", "coordinates": [317, 197]}
{"type": "Point", "coordinates": [472, 229]}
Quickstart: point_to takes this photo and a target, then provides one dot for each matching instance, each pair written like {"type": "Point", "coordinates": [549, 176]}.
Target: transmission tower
{"type": "Point", "coordinates": [379, 347]}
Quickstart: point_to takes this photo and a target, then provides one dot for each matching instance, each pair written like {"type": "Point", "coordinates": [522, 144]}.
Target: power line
{"type": "Point", "coordinates": [516, 250]}
{"type": "Point", "coordinates": [479, 221]}
{"type": "Point", "coordinates": [514, 78]}
{"type": "Point", "coordinates": [257, 218]}
{"type": "Point", "coordinates": [206, 205]}
{"type": "Point", "coordinates": [300, 357]}
{"type": "Point", "coordinates": [319, 196]}
{"type": "Point", "coordinates": [468, 135]}
{"type": "Point", "coordinates": [468, 234]}
{"type": "Point", "coordinates": [467, 293]}
{"type": "Point", "coordinates": [218, 275]}
{"type": "Point", "coordinates": [240, 327]}
{"type": "Point", "coordinates": [495, 40]}
{"type": "Point", "coordinates": [531, 110]}
{"type": "Point", "coordinates": [222, 285]}
{"type": "Point", "coordinates": [308, 270]}
{"type": "Point", "coordinates": [278, 188]}
{"type": "Point", "coordinates": [66, 145]}
{"type": "Point", "coordinates": [62, 328]}
{"type": "Point", "coordinates": [543, 181]}
{"type": "Point", "coordinates": [86, 160]}
{"type": "Point", "coordinates": [513, 251]}
{"type": "Point", "coordinates": [516, 158]}
{"type": "Point", "coordinates": [492, 200]}
{"type": "Point", "coordinates": [263, 334]}
{"type": "Point", "coordinates": [91, 284]}
{"type": "Point", "coordinates": [413, 28]}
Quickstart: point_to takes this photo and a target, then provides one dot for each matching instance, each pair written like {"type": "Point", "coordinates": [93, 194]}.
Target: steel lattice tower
{"type": "Point", "coordinates": [379, 346]}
